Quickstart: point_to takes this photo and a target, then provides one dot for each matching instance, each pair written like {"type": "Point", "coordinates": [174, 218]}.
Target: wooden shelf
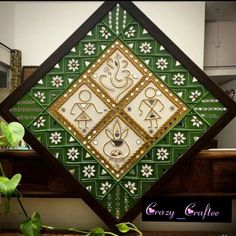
{"type": "Point", "coordinates": [209, 173]}
{"type": "Point", "coordinates": [217, 154]}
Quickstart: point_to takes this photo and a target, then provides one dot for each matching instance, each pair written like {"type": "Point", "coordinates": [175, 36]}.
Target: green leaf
{"type": "Point", "coordinates": [8, 186]}
{"type": "Point", "coordinates": [31, 227]}
{"type": "Point", "coordinates": [3, 141]}
{"type": "Point", "coordinates": [14, 132]}
{"type": "Point", "coordinates": [3, 187]}
{"type": "Point", "coordinates": [17, 133]}
{"type": "Point", "coordinates": [97, 232]}
{"type": "Point", "coordinates": [5, 130]}
{"type": "Point", "coordinates": [123, 227]}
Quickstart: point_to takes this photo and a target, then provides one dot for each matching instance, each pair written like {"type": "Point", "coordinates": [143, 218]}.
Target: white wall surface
{"type": "Point", "coordinates": [40, 27]}
{"type": "Point", "coordinates": [73, 212]}
{"type": "Point", "coordinates": [7, 30]}
{"type": "Point", "coordinates": [183, 22]}
{"type": "Point", "coordinates": [227, 137]}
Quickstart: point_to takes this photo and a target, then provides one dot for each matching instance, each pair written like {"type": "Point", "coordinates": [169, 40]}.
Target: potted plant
{"type": "Point", "coordinates": [12, 134]}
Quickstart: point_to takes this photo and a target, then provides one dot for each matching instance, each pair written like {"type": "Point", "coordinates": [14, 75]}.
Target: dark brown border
{"type": "Point", "coordinates": [172, 49]}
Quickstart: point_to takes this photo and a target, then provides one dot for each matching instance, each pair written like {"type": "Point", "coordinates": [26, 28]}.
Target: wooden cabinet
{"type": "Point", "coordinates": [210, 52]}
{"type": "Point", "coordinates": [220, 44]}
{"type": "Point", "coordinates": [209, 173]}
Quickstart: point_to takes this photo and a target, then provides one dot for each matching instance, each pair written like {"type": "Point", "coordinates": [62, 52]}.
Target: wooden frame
{"type": "Point", "coordinates": [157, 34]}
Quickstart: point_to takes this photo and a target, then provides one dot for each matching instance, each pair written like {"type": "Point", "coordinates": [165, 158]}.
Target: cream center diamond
{"type": "Point", "coordinates": [118, 109]}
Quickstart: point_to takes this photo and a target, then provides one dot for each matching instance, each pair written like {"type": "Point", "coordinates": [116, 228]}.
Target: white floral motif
{"type": "Point", "coordinates": [56, 81]}
{"type": "Point", "coordinates": [105, 33]}
{"type": "Point", "coordinates": [73, 64]}
{"type": "Point", "coordinates": [39, 122]}
{"type": "Point", "coordinates": [40, 96]}
{"type": "Point", "coordinates": [55, 137]}
{"type": "Point", "coordinates": [146, 170]}
{"type": "Point", "coordinates": [72, 153]}
{"type": "Point", "coordinates": [130, 32]}
{"type": "Point", "coordinates": [179, 138]}
{"type": "Point", "coordinates": [131, 187]}
{"type": "Point", "coordinates": [178, 79]}
{"type": "Point", "coordinates": [196, 121]}
{"type": "Point", "coordinates": [145, 47]}
{"type": "Point", "coordinates": [105, 187]}
{"type": "Point", "coordinates": [161, 63]}
{"type": "Point", "coordinates": [162, 154]}
{"type": "Point", "coordinates": [89, 48]}
{"type": "Point", "coordinates": [89, 171]}
{"type": "Point", "coordinates": [195, 95]}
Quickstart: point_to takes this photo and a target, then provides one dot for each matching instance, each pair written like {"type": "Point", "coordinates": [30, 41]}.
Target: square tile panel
{"type": "Point", "coordinates": [115, 107]}
{"type": "Point", "coordinates": [98, 109]}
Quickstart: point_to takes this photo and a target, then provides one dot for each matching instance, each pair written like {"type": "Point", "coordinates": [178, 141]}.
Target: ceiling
{"type": "Point", "coordinates": [220, 10]}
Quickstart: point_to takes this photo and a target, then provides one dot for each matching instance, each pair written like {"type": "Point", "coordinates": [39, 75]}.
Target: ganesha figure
{"type": "Point", "coordinates": [116, 77]}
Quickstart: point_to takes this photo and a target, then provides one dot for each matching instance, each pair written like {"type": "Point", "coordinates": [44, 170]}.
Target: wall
{"type": "Point", "coordinates": [219, 64]}
{"type": "Point", "coordinates": [75, 213]}
{"type": "Point", "coordinates": [6, 36]}
{"type": "Point", "coordinates": [40, 27]}
{"type": "Point", "coordinates": [7, 30]}
{"type": "Point", "coordinates": [226, 138]}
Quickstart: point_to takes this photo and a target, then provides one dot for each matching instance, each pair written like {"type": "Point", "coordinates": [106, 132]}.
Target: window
{"type": "Point", "coordinates": [4, 76]}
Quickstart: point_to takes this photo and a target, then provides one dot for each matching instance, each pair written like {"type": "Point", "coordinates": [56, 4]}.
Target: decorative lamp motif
{"type": "Point", "coordinates": [115, 107]}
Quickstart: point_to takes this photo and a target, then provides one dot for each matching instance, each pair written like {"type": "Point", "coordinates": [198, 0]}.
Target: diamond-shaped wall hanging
{"type": "Point", "coordinates": [115, 107]}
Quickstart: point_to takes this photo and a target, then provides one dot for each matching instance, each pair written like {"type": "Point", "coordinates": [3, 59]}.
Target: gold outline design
{"type": "Point", "coordinates": [118, 110]}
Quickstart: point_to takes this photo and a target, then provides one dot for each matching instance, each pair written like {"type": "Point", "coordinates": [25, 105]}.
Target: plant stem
{"type": "Point", "coordinates": [134, 228]}
{"type": "Point", "coordinates": [138, 231]}
{"type": "Point", "coordinates": [110, 233]}
{"type": "Point", "coordinates": [65, 229]}
{"type": "Point", "coordinates": [22, 207]}
{"type": "Point", "coordinates": [1, 169]}
{"type": "Point", "coordinates": [18, 194]}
